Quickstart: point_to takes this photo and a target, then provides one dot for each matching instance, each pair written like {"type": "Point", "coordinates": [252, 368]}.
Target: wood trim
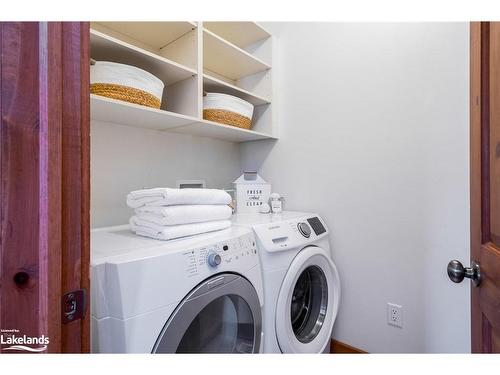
{"type": "Point", "coordinates": [44, 178]}
{"type": "Point", "coordinates": [476, 114]}
{"type": "Point", "coordinates": [484, 125]}
{"type": "Point", "coordinates": [50, 116]}
{"type": "Point", "coordinates": [75, 169]}
{"type": "Point", "coordinates": [29, 183]}
{"type": "Point", "coordinates": [85, 176]}
{"type": "Point", "coordinates": [337, 347]}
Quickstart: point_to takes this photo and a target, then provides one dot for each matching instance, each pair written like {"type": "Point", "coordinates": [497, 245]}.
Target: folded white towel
{"type": "Point", "coordinates": [169, 232]}
{"type": "Point", "coordinates": [170, 197]}
{"type": "Point", "coordinates": [184, 214]}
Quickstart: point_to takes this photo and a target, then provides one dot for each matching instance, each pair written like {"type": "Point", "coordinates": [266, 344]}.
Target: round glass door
{"type": "Point", "coordinates": [225, 325]}
{"type": "Point", "coordinates": [221, 315]}
{"type": "Point", "coordinates": [309, 304]}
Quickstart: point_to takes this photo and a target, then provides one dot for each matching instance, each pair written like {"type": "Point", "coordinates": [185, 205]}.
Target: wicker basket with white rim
{"type": "Point", "coordinates": [228, 110]}
{"type": "Point", "coordinates": [125, 82]}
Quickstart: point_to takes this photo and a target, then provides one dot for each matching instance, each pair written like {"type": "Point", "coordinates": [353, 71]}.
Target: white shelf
{"type": "Point", "coordinates": [153, 34]}
{"type": "Point", "coordinates": [129, 114]}
{"type": "Point", "coordinates": [210, 129]}
{"type": "Point", "coordinates": [108, 48]}
{"type": "Point", "coordinates": [240, 34]}
{"type": "Point", "coordinates": [212, 84]}
{"type": "Point", "coordinates": [228, 60]}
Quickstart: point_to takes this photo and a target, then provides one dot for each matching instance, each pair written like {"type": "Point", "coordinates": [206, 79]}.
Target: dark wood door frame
{"type": "Point", "coordinates": [475, 168]}
{"type": "Point", "coordinates": [44, 178]}
{"type": "Point", "coordinates": [484, 184]}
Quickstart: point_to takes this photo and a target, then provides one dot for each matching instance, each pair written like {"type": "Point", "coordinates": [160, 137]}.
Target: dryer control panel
{"type": "Point", "coordinates": [289, 234]}
{"type": "Point", "coordinates": [235, 252]}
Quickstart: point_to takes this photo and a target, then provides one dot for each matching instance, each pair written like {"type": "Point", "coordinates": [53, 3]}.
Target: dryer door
{"type": "Point", "coordinates": [308, 303]}
{"type": "Point", "coordinates": [220, 315]}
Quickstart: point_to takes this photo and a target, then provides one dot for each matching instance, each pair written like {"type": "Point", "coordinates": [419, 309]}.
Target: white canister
{"type": "Point", "coordinates": [251, 192]}
{"type": "Point", "coordinates": [276, 203]}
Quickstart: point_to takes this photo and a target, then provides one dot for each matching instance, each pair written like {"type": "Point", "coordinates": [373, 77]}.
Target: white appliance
{"type": "Point", "coordinates": [301, 282]}
{"type": "Point", "coordinates": [196, 295]}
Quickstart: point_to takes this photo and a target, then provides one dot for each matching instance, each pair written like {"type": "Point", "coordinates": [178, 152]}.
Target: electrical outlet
{"type": "Point", "coordinates": [395, 315]}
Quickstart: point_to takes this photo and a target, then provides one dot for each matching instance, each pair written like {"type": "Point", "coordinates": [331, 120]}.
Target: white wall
{"type": "Point", "coordinates": [125, 158]}
{"type": "Point", "coordinates": [374, 137]}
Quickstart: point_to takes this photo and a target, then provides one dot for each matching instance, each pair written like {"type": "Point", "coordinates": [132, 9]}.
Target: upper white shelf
{"type": "Point", "coordinates": [123, 113]}
{"type": "Point", "coordinates": [107, 48]}
{"type": "Point", "coordinates": [213, 84]}
{"type": "Point", "coordinates": [228, 60]}
{"type": "Point", "coordinates": [153, 34]}
{"type": "Point", "coordinates": [240, 34]}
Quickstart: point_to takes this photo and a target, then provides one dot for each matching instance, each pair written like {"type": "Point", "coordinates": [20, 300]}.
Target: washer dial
{"type": "Point", "coordinates": [304, 229]}
{"type": "Point", "coordinates": [213, 259]}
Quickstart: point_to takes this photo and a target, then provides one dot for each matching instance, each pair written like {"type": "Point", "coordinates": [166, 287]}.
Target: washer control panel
{"type": "Point", "coordinates": [289, 234]}
{"type": "Point", "coordinates": [235, 252]}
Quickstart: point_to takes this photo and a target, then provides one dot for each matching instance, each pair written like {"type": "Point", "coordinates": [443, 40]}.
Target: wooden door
{"type": "Point", "coordinates": [44, 182]}
{"type": "Point", "coordinates": [485, 184]}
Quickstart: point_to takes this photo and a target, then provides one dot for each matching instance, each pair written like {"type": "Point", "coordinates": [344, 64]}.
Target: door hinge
{"type": "Point", "coordinates": [73, 305]}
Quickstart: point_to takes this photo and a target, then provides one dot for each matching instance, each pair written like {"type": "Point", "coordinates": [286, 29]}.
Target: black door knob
{"type": "Point", "coordinates": [457, 272]}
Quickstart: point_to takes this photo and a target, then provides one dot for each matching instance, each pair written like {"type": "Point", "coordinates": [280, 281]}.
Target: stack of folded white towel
{"type": "Point", "coordinates": [165, 213]}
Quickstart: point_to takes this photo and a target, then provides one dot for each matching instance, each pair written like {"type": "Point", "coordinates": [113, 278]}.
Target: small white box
{"type": "Point", "coordinates": [251, 192]}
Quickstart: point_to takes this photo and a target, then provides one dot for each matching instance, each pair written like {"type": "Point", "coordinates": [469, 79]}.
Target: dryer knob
{"type": "Point", "coordinates": [214, 259]}
{"type": "Point", "coordinates": [304, 229]}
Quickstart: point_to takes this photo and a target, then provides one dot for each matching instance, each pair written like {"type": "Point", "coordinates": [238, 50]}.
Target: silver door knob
{"type": "Point", "coordinates": [457, 272]}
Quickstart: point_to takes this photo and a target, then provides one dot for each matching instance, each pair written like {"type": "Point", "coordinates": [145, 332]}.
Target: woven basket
{"type": "Point", "coordinates": [126, 93]}
{"type": "Point", "coordinates": [228, 110]}
{"type": "Point", "coordinates": [227, 118]}
{"type": "Point", "coordinates": [125, 82]}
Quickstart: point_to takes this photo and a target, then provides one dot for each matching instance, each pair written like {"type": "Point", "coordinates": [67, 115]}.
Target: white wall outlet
{"type": "Point", "coordinates": [395, 315]}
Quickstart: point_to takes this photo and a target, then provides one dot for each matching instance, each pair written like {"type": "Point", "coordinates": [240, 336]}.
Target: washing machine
{"type": "Point", "coordinates": [196, 295]}
{"type": "Point", "coordinates": [301, 282]}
